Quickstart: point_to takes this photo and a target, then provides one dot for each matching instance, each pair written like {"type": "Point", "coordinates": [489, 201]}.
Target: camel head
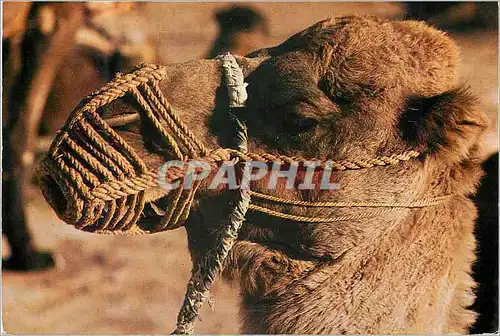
{"type": "Point", "coordinates": [346, 89]}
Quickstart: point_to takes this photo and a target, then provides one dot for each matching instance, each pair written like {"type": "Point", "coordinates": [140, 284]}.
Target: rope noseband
{"type": "Point", "coordinates": [104, 181]}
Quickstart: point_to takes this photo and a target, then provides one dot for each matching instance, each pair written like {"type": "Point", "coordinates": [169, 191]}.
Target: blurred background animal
{"type": "Point", "coordinates": [54, 53]}
{"type": "Point", "coordinates": [24, 99]}
{"type": "Point", "coordinates": [242, 30]}
{"type": "Point", "coordinates": [455, 16]}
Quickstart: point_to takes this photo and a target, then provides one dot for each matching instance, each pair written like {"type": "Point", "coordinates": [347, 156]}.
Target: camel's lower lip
{"type": "Point", "coordinates": [153, 213]}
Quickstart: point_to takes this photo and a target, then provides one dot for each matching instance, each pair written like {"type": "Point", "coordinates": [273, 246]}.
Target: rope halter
{"type": "Point", "coordinates": [103, 181]}
{"type": "Point", "coordinates": [96, 181]}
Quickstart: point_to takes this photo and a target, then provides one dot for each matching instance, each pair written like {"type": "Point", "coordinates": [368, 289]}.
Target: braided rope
{"type": "Point", "coordinates": [204, 275]}
{"type": "Point", "coordinates": [115, 89]}
{"type": "Point", "coordinates": [96, 166]}
{"type": "Point", "coordinates": [334, 165]}
{"type": "Point", "coordinates": [123, 216]}
{"type": "Point", "coordinates": [70, 174]}
{"type": "Point", "coordinates": [169, 212]}
{"type": "Point", "coordinates": [118, 189]}
{"type": "Point", "coordinates": [165, 115]}
{"type": "Point", "coordinates": [414, 204]}
{"type": "Point", "coordinates": [183, 212]}
{"type": "Point", "coordinates": [88, 177]}
{"type": "Point", "coordinates": [108, 217]}
{"type": "Point", "coordinates": [157, 124]}
{"type": "Point", "coordinates": [114, 157]}
{"type": "Point", "coordinates": [175, 117]}
{"type": "Point", "coordinates": [108, 162]}
{"type": "Point", "coordinates": [108, 170]}
{"type": "Point", "coordinates": [140, 202]}
{"type": "Point", "coordinates": [320, 219]}
{"type": "Point", "coordinates": [134, 159]}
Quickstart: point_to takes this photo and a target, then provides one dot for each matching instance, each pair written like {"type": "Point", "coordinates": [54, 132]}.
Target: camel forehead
{"type": "Point", "coordinates": [353, 34]}
{"type": "Point", "coordinates": [406, 55]}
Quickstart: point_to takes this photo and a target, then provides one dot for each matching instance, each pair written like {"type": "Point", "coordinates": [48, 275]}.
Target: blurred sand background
{"type": "Point", "coordinates": [135, 285]}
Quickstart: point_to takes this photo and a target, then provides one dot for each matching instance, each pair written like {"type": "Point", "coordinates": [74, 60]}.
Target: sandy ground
{"type": "Point", "coordinates": [125, 285]}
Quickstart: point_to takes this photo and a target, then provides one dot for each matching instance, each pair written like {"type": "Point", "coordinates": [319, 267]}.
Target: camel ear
{"type": "Point", "coordinates": [448, 125]}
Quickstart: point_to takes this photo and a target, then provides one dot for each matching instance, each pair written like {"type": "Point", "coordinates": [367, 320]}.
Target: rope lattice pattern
{"type": "Point", "coordinates": [102, 177]}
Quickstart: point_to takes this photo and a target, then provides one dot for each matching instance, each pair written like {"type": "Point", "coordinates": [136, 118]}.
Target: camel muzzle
{"type": "Point", "coordinates": [92, 178]}
{"type": "Point", "coordinates": [95, 181]}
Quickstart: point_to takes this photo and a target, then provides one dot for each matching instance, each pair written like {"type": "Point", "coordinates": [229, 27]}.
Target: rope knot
{"type": "Point", "coordinates": [219, 154]}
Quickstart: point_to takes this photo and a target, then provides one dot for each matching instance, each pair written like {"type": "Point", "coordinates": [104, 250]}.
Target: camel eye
{"type": "Point", "coordinates": [294, 123]}
{"type": "Point", "coordinates": [298, 116]}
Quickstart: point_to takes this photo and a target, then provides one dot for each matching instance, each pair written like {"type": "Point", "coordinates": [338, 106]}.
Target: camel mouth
{"type": "Point", "coordinates": [97, 181]}
{"type": "Point", "coordinates": [153, 213]}
{"type": "Point", "coordinates": [89, 202]}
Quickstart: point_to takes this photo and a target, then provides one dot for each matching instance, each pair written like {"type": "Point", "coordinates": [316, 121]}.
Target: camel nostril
{"type": "Point", "coordinates": [54, 194]}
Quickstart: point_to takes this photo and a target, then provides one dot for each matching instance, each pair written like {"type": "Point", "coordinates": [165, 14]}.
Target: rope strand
{"type": "Point", "coordinates": [413, 204]}
{"type": "Point", "coordinates": [203, 276]}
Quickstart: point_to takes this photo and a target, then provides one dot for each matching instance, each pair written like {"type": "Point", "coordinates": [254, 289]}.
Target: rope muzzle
{"type": "Point", "coordinates": [93, 178]}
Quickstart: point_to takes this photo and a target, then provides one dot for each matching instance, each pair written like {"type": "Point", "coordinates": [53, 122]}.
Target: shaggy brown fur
{"type": "Point", "coordinates": [345, 88]}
